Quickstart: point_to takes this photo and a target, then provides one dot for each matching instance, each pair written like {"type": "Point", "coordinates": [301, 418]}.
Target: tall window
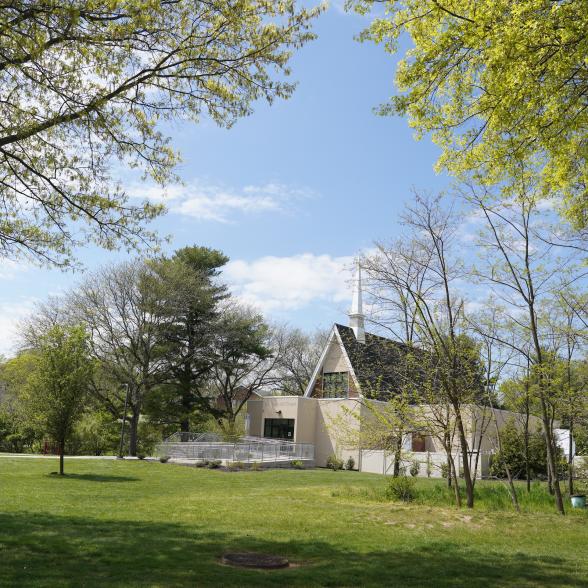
{"type": "Point", "coordinates": [335, 385]}
{"type": "Point", "coordinates": [279, 429]}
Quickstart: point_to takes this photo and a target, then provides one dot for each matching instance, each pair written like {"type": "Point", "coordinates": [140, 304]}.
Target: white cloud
{"type": "Point", "coordinates": [290, 283]}
{"type": "Point", "coordinates": [213, 202]}
{"type": "Point", "coordinates": [11, 313]}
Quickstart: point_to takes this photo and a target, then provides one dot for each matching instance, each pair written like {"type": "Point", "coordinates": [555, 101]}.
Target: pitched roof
{"type": "Point", "coordinates": [378, 363]}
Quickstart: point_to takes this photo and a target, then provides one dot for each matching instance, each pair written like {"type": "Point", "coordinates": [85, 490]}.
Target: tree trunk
{"type": "Point", "coordinates": [551, 459]}
{"type": "Point", "coordinates": [61, 453]}
{"type": "Point", "coordinates": [133, 433]}
{"type": "Point", "coordinates": [453, 474]}
{"type": "Point", "coordinates": [571, 458]}
{"type": "Point", "coordinates": [465, 459]}
{"type": "Point", "coordinates": [397, 455]}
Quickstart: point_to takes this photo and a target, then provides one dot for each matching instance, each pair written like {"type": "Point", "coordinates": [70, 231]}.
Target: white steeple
{"type": "Point", "coordinates": [356, 316]}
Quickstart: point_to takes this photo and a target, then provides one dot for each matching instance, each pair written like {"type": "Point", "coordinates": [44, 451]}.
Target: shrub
{"type": "Point", "coordinates": [213, 464]}
{"type": "Point", "coordinates": [233, 466]}
{"type": "Point", "coordinates": [415, 468]}
{"type": "Point", "coordinates": [401, 488]}
{"type": "Point", "coordinates": [164, 458]}
{"type": "Point", "coordinates": [444, 470]}
{"type": "Point", "coordinates": [297, 464]}
{"type": "Point", "coordinates": [513, 455]}
{"type": "Point", "coordinates": [140, 456]}
{"type": "Point", "coordinates": [350, 464]}
{"type": "Point", "coordinates": [201, 463]}
{"type": "Point", "coordinates": [334, 463]}
{"type": "Point", "coordinates": [256, 466]}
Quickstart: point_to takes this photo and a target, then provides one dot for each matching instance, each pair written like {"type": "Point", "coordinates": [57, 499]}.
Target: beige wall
{"type": "Point", "coordinates": [314, 424]}
{"type": "Point", "coordinates": [335, 360]}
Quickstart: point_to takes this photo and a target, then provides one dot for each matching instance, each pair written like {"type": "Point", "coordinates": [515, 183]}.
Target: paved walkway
{"type": "Point", "coordinates": [41, 456]}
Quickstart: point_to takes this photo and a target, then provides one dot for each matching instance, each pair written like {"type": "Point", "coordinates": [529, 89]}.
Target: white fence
{"type": "Point", "coordinates": [431, 464]}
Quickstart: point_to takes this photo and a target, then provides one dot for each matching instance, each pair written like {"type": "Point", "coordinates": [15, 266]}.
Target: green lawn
{"type": "Point", "coordinates": [149, 524]}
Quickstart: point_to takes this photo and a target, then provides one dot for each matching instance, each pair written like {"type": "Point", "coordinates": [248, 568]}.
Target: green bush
{"type": "Point", "coordinates": [164, 458]}
{"type": "Point", "coordinates": [350, 464]}
{"type": "Point", "coordinates": [297, 464]}
{"type": "Point", "coordinates": [415, 468]}
{"type": "Point", "coordinates": [444, 470]}
{"type": "Point", "coordinates": [213, 464]}
{"type": "Point", "coordinates": [513, 455]}
{"type": "Point", "coordinates": [401, 488]}
{"type": "Point", "coordinates": [334, 463]}
{"type": "Point", "coordinates": [202, 463]}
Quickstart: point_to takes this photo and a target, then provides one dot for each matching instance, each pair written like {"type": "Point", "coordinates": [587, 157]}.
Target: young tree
{"type": "Point", "coordinates": [522, 265]}
{"type": "Point", "coordinates": [494, 82]}
{"type": "Point", "coordinates": [59, 385]}
{"type": "Point", "coordinates": [438, 311]}
{"type": "Point", "coordinates": [87, 83]}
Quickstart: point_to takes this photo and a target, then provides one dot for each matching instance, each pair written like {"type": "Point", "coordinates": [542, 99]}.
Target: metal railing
{"type": "Point", "coordinates": [197, 446]}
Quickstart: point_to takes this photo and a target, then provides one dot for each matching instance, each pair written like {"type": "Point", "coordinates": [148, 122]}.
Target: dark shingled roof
{"type": "Point", "coordinates": [378, 363]}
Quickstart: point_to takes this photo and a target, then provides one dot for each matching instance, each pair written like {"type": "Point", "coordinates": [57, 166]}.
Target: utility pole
{"type": "Point", "coordinates": [122, 428]}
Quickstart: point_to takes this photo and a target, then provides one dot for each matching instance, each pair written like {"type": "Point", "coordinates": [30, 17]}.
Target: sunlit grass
{"type": "Point", "coordinates": [149, 524]}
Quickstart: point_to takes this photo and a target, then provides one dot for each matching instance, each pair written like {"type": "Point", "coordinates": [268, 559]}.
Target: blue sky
{"type": "Point", "coordinates": [290, 193]}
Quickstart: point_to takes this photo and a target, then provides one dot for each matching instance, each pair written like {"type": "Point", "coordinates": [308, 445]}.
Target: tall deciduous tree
{"type": "Point", "coordinates": [118, 309]}
{"type": "Point", "coordinates": [87, 83]}
{"type": "Point", "coordinates": [246, 354]}
{"type": "Point", "coordinates": [495, 82]}
{"type": "Point", "coordinates": [59, 384]}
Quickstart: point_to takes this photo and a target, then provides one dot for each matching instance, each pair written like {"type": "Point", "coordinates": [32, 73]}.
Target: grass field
{"type": "Point", "coordinates": [112, 523]}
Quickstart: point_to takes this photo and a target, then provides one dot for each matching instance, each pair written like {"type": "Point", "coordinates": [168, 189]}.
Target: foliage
{"type": "Point", "coordinates": [415, 468]}
{"type": "Point", "coordinates": [59, 384]}
{"type": "Point", "coordinates": [401, 488]}
{"type": "Point", "coordinates": [187, 292]}
{"type": "Point", "coordinates": [95, 434]}
{"type": "Point", "coordinates": [213, 464]}
{"type": "Point", "coordinates": [90, 83]}
{"type": "Point", "coordinates": [495, 83]}
{"type": "Point", "coordinates": [334, 463]}
{"type": "Point", "coordinates": [164, 458]}
{"type": "Point", "coordinates": [350, 463]}
{"type": "Point", "coordinates": [255, 466]}
{"type": "Point", "coordinates": [297, 464]}
{"type": "Point", "coordinates": [513, 454]}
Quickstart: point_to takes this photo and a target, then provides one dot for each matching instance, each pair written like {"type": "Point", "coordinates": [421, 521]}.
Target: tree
{"type": "Point", "coordinates": [452, 361]}
{"type": "Point", "coordinates": [301, 355]}
{"type": "Point", "coordinates": [59, 385]}
{"type": "Point", "coordinates": [495, 83]}
{"type": "Point", "coordinates": [86, 84]}
{"type": "Point", "coordinates": [522, 265]}
{"type": "Point", "coordinates": [117, 307]}
{"type": "Point", "coordinates": [188, 294]}
{"type": "Point", "coordinates": [246, 353]}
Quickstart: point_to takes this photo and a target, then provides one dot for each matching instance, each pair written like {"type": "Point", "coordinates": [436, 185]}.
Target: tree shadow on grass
{"type": "Point", "coordinates": [47, 551]}
{"type": "Point", "coordinates": [93, 477]}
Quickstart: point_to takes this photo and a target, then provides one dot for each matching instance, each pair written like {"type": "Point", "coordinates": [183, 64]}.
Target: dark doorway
{"type": "Point", "coordinates": [279, 429]}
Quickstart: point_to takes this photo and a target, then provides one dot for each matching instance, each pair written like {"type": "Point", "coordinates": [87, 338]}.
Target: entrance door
{"type": "Point", "coordinates": [279, 429]}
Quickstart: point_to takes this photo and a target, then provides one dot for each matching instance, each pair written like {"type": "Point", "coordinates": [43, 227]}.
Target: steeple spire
{"type": "Point", "coordinates": [356, 316]}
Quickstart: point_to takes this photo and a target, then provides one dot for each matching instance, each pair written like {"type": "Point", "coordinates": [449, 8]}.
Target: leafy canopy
{"type": "Point", "coordinates": [85, 85]}
{"type": "Point", "coordinates": [496, 83]}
